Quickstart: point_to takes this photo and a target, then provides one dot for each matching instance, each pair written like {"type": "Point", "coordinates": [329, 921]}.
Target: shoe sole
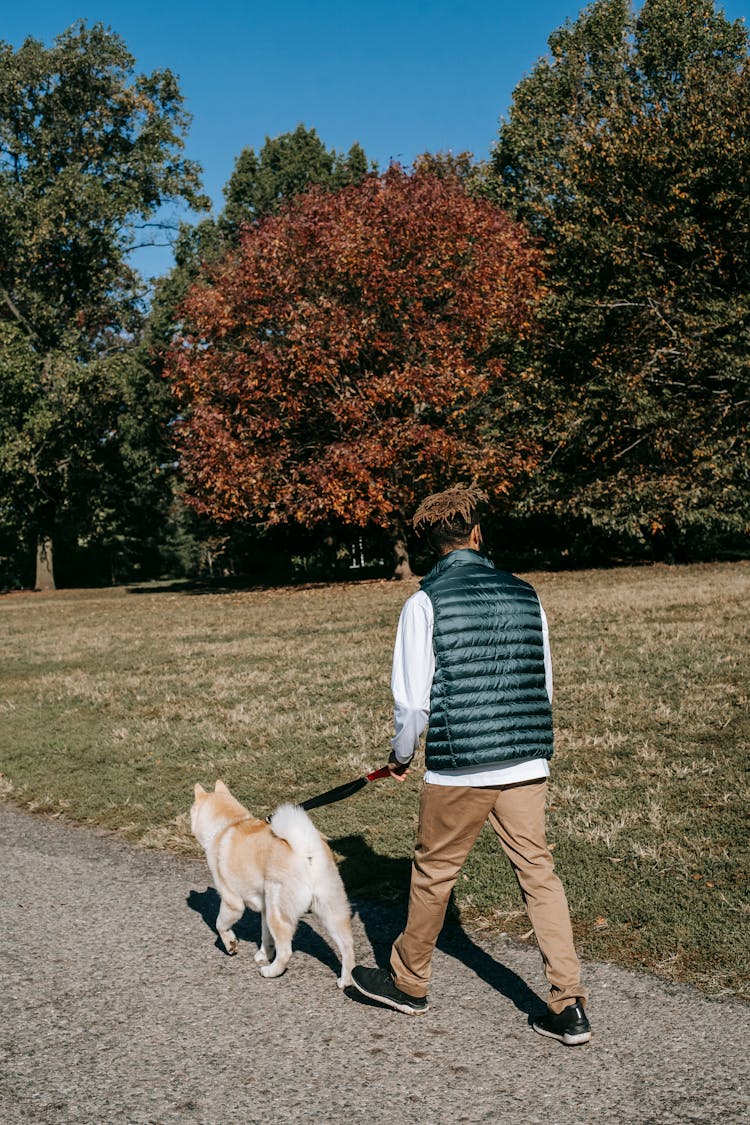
{"type": "Point", "coordinates": [566, 1038]}
{"type": "Point", "coordinates": [405, 1008]}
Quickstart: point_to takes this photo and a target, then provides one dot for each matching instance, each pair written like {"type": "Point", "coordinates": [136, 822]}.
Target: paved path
{"type": "Point", "coordinates": [117, 1006]}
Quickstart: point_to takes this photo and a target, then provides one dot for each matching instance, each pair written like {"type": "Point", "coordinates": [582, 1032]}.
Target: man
{"type": "Point", "coordinates": [471, 665]}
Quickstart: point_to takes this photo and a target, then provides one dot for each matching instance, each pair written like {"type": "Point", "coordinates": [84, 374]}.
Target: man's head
{"type": "Point", "coordinates": [449, 519]}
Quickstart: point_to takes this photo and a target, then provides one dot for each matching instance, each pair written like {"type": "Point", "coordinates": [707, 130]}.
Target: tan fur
{"type": "Point", "coordinates": [282, 871]}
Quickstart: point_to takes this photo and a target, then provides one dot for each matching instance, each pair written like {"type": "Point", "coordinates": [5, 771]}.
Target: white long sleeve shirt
{"type": "Point", "coordinates": [411, 684]}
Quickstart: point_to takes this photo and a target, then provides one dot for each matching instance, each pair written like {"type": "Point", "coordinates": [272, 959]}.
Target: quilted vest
{"type": "Point", "coordinates": [489, 701]}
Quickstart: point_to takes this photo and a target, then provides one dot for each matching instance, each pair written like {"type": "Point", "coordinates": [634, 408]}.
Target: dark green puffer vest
{"type": "Point", "coordinates": [489, 701]}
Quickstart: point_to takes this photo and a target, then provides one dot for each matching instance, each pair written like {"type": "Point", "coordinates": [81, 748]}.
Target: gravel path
{"type": "Point", "coordinates": [117, 1006]}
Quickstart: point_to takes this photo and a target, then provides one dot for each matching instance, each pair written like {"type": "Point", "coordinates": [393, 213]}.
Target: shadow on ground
{"type": "Point", "coordinates": [245, 583]}
{"type": "Point", "coordinates": [383, 921]}
{"type": "Point", "coordinates": [306, 940]}
{"type": "Point", "coordinates": [363, 868]}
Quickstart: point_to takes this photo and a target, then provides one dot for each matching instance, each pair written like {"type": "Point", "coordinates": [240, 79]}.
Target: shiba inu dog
{"type": "Point", "coordinates": [282, 868]}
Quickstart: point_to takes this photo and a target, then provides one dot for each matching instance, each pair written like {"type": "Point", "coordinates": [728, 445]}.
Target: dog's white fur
{"type": "Point", "coordinates": [283, 870]}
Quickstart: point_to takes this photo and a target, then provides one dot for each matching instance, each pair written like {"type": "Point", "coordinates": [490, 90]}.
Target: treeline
{"type": "Point", "coordinates": [566, 322]}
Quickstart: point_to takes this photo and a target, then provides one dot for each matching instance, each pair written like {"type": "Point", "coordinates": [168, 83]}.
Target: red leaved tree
{"type": "Point", "coordinates": [337, 366]}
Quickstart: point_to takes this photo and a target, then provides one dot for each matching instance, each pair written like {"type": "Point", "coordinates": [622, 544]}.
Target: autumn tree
{"type": "Point", "coordinates": [336, 367]}
{"type": "Point", "coordinates": [260, 184]}
{"type": "Point", "coordinates": [89, 151]}
{"type": "Point", "coordinates": [627, 151]}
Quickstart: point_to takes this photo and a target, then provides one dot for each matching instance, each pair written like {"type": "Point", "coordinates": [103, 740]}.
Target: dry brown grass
{"type": "Point", "coordinates": [114, 703]}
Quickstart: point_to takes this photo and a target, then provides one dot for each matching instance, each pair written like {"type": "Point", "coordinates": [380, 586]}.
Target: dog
{"type": "Point", "coordinates": [281, 867]}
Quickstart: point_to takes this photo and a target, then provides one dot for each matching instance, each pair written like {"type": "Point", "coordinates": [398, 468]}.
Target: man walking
{"type": "Point", "coordinates": [471, 664]}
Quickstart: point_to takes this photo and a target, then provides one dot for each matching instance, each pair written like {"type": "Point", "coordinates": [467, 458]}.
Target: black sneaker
{"type": "Point", "coordinates": [570, 1026]}
{"type": "Point", "coordinates": [378, 985]}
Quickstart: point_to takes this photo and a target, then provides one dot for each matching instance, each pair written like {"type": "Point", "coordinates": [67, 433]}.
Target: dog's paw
{"type": "Point", "coordinates": [270, 971]}
{"type": "Point", "coordinates": [261, 955]}
{"type": "Point", "coordinates": [231, 945]}
{"type": "Point", "coordinates": [344, 980]}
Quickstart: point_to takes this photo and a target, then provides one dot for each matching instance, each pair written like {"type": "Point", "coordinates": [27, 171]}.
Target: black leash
{"type": "Point", "coordinates": [340, 792]}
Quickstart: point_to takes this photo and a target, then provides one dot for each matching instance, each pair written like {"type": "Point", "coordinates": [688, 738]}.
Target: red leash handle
{"type": "Point", "coordinates": [376, 774]}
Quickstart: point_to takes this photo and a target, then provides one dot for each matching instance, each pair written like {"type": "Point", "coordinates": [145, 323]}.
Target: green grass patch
{"type": "Point", "coordinates": [115, 702]}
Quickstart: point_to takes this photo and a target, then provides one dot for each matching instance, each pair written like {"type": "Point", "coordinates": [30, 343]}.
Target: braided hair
{"type": "Point", "coordinates": [446, 518]}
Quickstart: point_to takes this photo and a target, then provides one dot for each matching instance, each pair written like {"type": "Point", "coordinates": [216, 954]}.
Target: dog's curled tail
{"type": "Point", "coordinates": [292, 824]}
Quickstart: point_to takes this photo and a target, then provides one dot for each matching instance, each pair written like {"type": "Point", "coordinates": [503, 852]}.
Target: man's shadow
{"type": "Point", "coordinates": [363, 871]}
{"type": "Point", "coordinates": [368, 876]}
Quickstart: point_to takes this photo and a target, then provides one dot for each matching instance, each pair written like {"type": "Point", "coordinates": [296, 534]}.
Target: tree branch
{"type": "Point", "coordinates": [159, 226]}
{"type": "Point", "coordinates": [632, 445]}
{"type": "Point", "coordinates": [18, 314]}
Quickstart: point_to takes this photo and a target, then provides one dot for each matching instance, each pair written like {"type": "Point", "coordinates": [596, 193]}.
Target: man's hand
{"type": "Point", "coordinates": [398, 769]}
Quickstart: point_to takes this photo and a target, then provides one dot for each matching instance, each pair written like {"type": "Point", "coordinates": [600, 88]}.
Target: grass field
{"type": "Point", "coordinates": [114, 702]}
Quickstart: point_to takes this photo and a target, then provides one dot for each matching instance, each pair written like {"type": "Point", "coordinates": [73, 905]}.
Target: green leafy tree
{"type": "Point", "coordinates": [286, 166]}
{"type": "Point", "coordinates": [627, 151]}
{"type": "Point", "coordinates": [89, 152]}
{"type": "Point", "coordinates": [88, 439]}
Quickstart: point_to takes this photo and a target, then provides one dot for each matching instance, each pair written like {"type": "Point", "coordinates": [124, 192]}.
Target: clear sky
{"type": "Point", "coordinates": [399, 76]}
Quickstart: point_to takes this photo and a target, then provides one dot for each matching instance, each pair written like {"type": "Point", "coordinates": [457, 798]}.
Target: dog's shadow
{"type": "Point", "coordinates": [207, 903]}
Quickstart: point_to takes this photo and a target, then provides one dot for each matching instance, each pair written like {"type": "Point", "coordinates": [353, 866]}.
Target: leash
{"type": "Point", "coordinates": [345, 790]}
{"type": "Point", "coordinates": [339, 792]}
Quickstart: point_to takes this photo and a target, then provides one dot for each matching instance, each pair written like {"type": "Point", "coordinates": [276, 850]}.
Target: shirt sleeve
{"type": "Point", "coordinates": [547, 654]}
{"type": "Point", "coordinates": [411, 678]}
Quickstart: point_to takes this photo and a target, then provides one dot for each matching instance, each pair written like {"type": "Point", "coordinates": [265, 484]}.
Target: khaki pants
{"type": "Point", "coordinates": [450, 819]}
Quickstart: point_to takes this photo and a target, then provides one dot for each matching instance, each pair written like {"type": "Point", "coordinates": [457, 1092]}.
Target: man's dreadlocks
{"type": "Point", "coordinates": [448, 517]}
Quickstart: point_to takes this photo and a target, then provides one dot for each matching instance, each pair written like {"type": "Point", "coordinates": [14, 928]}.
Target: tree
{"type": "Point", "coordinates": [90, 440]}
{"type": "Point", "coordinates": [286, 166]}
{"type": "Point", "coordinates": [260, 184]}
{"type": "Point", "coordinates": [89, 151]}
{"type": "Point", "coordinates": [335, 368]}
{"type": "Point", "coordinates": [454, 165]}
{"type": "Point", "coordinates": [628, 153]}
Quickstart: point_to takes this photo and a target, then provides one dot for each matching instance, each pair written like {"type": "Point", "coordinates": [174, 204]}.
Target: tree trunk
{"type": "Point", "coordinates": [402, 567]}
{"type": "Point", "coordinates": [45, 577]}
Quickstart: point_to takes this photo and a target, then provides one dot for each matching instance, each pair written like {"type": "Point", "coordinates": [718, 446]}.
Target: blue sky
{"type": "Point", "coordinates": [399, 76]}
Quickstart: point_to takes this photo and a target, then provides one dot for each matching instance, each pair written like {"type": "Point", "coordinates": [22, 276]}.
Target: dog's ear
{"type": "Point", "coordinates": [220, 787]}
{"type": "Point", "coordinates": [199, 790]}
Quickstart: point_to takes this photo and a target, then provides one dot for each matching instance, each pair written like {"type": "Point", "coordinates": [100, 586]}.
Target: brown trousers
{"type": "Point", "coordinates": [450, 819]}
